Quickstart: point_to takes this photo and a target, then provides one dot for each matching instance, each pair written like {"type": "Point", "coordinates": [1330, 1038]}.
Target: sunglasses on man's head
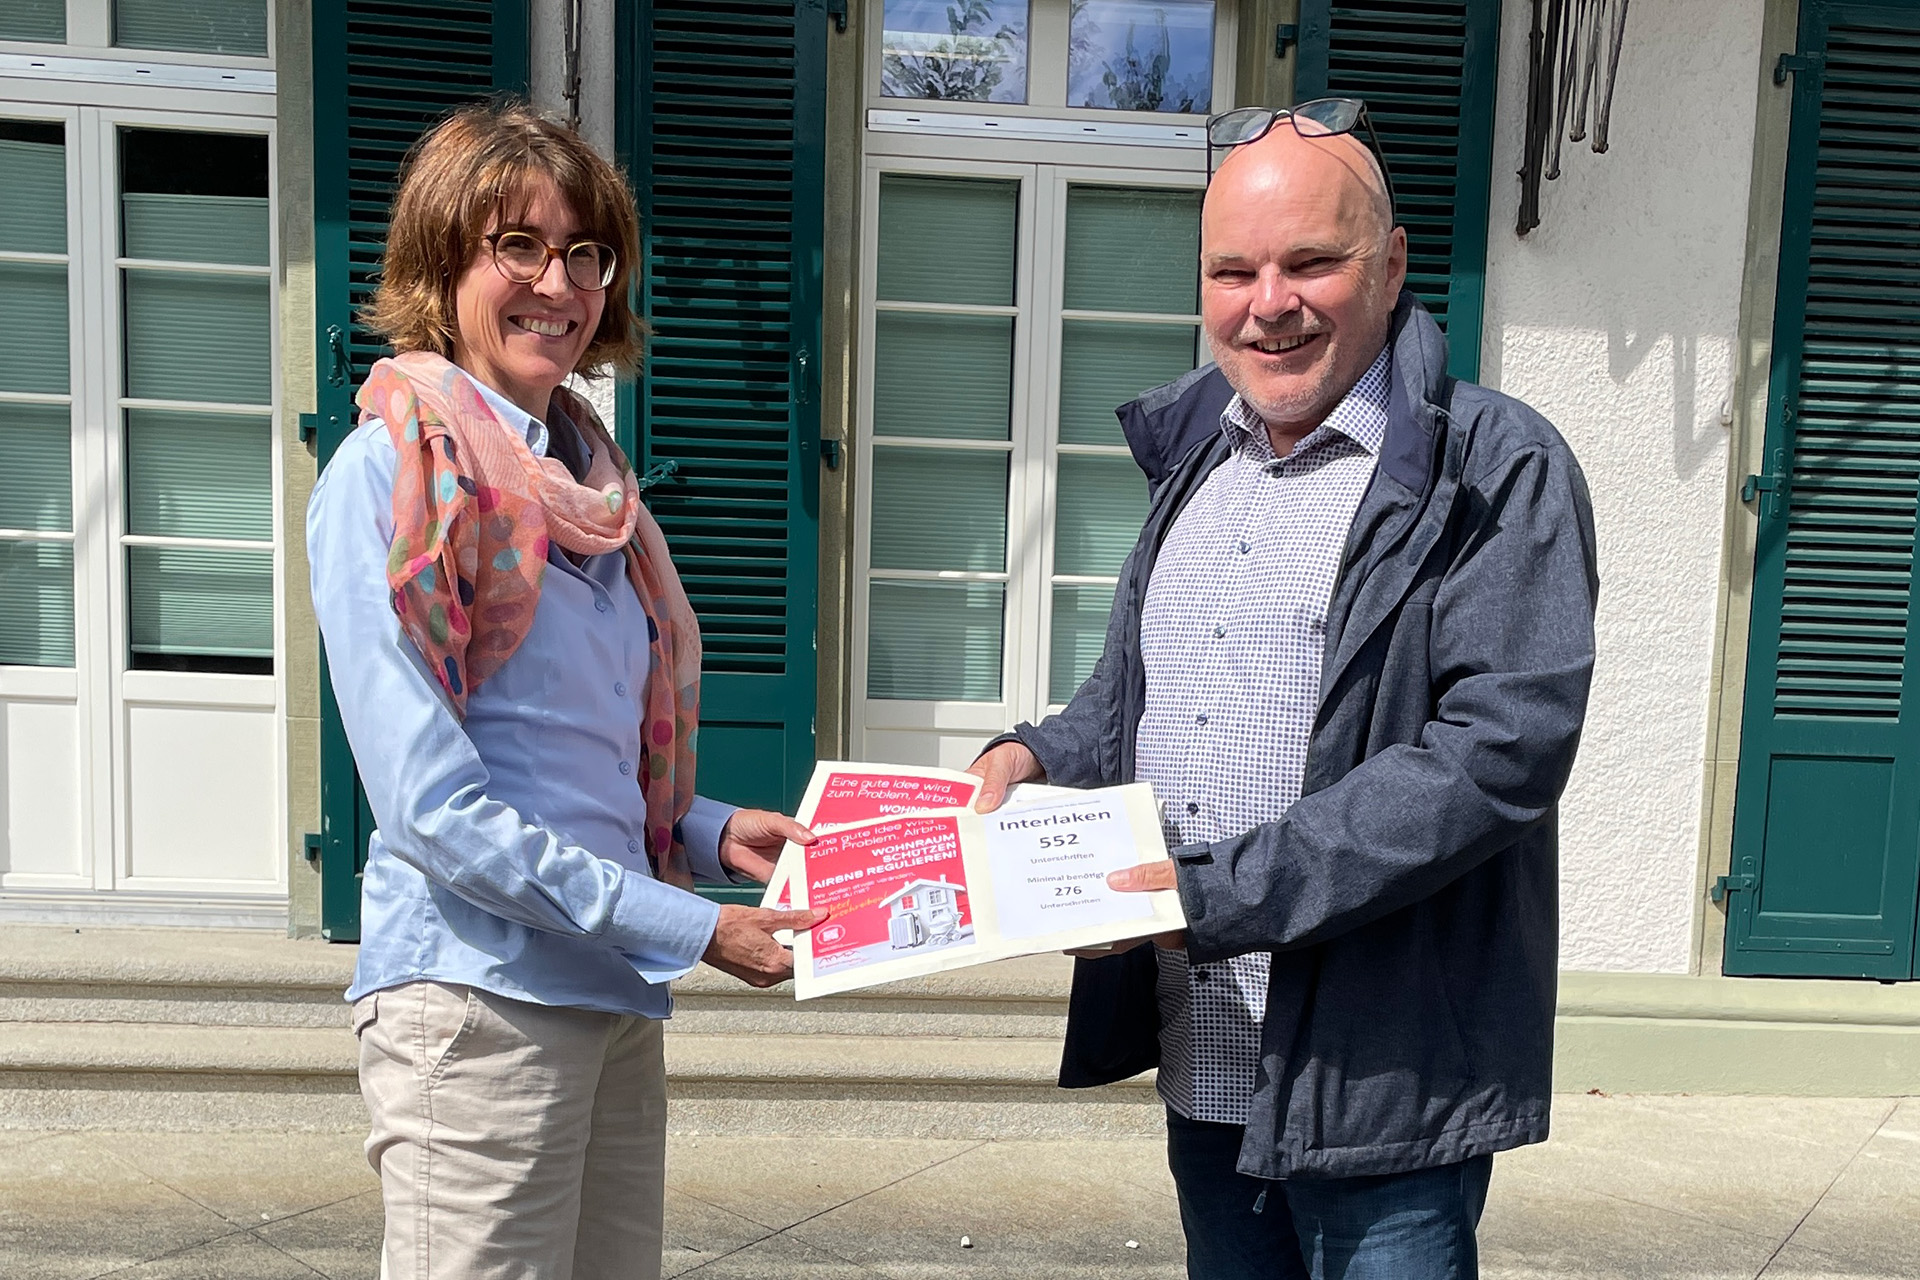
{"type": "Point", "coordinates": [1320, 118]}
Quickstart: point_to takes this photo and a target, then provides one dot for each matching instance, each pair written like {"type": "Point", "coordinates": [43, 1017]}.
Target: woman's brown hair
{"type": "Point", "coordinates": [481, 164]}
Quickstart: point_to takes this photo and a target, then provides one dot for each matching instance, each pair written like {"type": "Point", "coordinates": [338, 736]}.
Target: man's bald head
{"type": "Point", "coordinates": [1338, 160]}
{"type": "Point", "coordinates": [1301, 266]}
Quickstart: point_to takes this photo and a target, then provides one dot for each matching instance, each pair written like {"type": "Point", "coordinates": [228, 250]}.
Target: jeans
{"type": "Point", "coordinates": [1398, 1226]}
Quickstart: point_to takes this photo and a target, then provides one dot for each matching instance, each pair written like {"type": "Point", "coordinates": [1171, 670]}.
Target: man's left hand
{"type": "Point", "coordinates": [1146, 878]}
{"type": "Point", "coordinates": [751, 841]}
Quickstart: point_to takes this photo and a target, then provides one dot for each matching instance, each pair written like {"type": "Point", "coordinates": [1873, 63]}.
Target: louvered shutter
{"type": "Point", "coordinates": [1826, 837]}
{"type": "Point", "coordinates": [725, 143]}
{"type": "Point", "coordinates": [1427, 71]}
{"type": "Point", "coordinates": [383, 72]}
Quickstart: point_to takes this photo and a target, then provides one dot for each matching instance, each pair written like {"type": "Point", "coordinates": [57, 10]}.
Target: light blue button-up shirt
{"type": "Point", "coordinates": [510, 853]}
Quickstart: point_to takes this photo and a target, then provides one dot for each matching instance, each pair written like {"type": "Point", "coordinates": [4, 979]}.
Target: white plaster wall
{"type": "Point", "coordinates": [1617, 319]}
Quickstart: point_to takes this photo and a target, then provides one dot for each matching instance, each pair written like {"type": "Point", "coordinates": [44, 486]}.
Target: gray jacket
{"type": "Point", "coordinates": [1410, 896]}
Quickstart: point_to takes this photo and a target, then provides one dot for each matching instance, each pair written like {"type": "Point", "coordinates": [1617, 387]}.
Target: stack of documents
{"type": "Point", "coordinates": [916, 882]}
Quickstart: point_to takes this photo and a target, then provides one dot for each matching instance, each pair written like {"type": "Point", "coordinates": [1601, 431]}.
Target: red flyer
{"type": "Point", "coordinates": [841, 792]}
{"type": "Point", "coordinates": [893, 889]}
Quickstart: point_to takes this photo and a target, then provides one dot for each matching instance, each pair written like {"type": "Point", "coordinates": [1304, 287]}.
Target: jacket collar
{"type": "Point", "coordinates": [1418, 388]}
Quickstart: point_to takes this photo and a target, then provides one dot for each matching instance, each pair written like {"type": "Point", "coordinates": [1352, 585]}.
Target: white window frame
{"type": "Point", "coordinates": [1047, 30]}
{"type": "Point", "coordinates": [957, 728]}
{"type": "Point", "coordinates": [90, 34]}
{"type": "Point", "coordinates": [101, 684]}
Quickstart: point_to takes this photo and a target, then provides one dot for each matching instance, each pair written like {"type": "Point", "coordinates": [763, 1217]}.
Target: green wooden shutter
{"type": "Point", "coordinates": [1826, 835]}
{"type": "Point", "coordinates": [383, 72]}
{"type": "Point", "coordinates": [723, 135]}
{"type": "Point", "coordinates": [1427, 71]}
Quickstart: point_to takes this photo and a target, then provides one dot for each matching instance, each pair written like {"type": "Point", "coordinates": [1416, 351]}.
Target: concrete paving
{"type": "Point", "coordinates": [1678, 1188]}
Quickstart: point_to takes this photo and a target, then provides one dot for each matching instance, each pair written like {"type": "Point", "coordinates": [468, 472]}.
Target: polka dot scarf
{"type": "Point", "coordinates": [473, 512]}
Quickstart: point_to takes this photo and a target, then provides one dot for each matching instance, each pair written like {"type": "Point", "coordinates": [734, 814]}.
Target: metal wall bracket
{"type": "Point", "coordinates": [1792, 62]}
{"type": "Point", "coordinates": [837, 10]}
{"type": "Point", "coordinates": [1285, 36]}
{"type": "Point", "coordinates": [1733, 884]}
{"type": "Point", "coordinates": [830, 453]}
{"type": "Point", "coordinates": [312, 840]}
{"type": "Point", "coordinates": [309, 427]}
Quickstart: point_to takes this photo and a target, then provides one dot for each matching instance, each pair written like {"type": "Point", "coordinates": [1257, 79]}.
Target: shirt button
{"type": "Point", "coordinates": [619, 688]}
{"type": "Point", "coordinates": [1192, 807]}
{"type": "Point", "coordinates": [633, 846]}
{"type": "Point", "coordinates": [626, 767]}
{"type": "Point", "coordinates": [601, 606]}
{"type": "Point", "coordinates": [1219, 633]}
{"type": "Point", "coordinates": [1245, 546]}
{"type": "Point", "coordinates": [1201, 718]}
{"type": "Point", "coordinates": [1199, 975]}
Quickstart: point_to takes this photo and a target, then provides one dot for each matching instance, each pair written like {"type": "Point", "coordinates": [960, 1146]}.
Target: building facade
{"type": "Point", "coordinates": [903, 258]}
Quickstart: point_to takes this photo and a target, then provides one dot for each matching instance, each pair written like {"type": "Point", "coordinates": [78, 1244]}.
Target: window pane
{"type": "Point", "coordinates": [199, 475]}
{"type": "Point", "coordinates": [196, 228]}
{"type": "Point", "coordinates": [34, 296]}
{"type": "Point", "coordinates": [942, 375]}
{"type": "Point", "coordinates": [188, 601]}
{"type": "Point", "coordinates": [33, 186]}
{"type": "Point", "coordinates": [33, 20]}
{"type": "Point", "coordinates": [1135, 56]}
{"type": "Point", "coordinates": [1104, 365]}
{"type": "Point", "coordinates": [938, 641]}
{"type": "Point", "coordinates": [1079, 631]}
{"type": "Point", "coordinates": [1133, 250]}
{"type": "Point", "coordinates": [36, 480]}
{"type": "Point", "coordinates": [939, 509]}
{"type": "Point", "coordinates": [198, 337]}
{"type": "Point", "coordinates": [36, 604]}
{"type": "Point", "coordinates": [1103, 503]}
{"type": "Point", "coordinates": [194, 197]}
{"type": "Point", "coordinates": [200, 26]}
{"type": "Point", "coordinates": [955, 50]}
{"type": "Point", "coordinates": [947, 240]}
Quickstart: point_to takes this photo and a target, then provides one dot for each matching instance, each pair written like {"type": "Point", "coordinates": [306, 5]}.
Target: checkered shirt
{"type": "Point", "coordinates": [1232, 635]}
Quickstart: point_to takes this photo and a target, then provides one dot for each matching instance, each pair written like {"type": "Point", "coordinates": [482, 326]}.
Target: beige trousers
{"type": "Point", "coordinates": [513, 1140]}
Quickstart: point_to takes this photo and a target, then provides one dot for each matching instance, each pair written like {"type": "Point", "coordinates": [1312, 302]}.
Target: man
{"type": "Point", "coordinates": [1351, 653]}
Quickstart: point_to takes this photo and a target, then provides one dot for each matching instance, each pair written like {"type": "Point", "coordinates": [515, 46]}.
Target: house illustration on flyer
{"type": "Point", "coordinates": [924, 913]}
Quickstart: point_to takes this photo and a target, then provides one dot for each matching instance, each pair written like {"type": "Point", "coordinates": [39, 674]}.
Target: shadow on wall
{"type": "Point", "coordinates": [1643, 245]}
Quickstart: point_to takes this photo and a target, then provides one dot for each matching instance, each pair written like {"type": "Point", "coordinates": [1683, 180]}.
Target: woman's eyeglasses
{"type": "Point", "coordinates": [522, 257]}
{"type": "Point", "coordinates": [1320, 118]}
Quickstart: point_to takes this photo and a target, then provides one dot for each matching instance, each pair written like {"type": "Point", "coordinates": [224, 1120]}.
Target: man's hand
{"type": "Point", "coordinates": [1145, 878]}
{"type": "Point", "coordinates": [743, 943]}
{"type": "Point", "coordinates": [1000, 768]}
{"type": "Point", "coordinates": [751, 841]}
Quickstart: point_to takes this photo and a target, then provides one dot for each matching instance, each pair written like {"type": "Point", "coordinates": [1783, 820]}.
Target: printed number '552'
{"type": "Point", "coordinates": [1060, 841]}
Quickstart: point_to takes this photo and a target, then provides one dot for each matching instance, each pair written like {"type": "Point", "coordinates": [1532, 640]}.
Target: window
{"type": "Point", "coordinates": [1140, 56]}
{"type": "Point", "coordinates": [36, 482]}
{"type": "Point", "coordinates": [1013, 309]}
{"type": "Point", "coordinates": [236, 28]}
{"type": "Point", "coordinates": [197, 408]}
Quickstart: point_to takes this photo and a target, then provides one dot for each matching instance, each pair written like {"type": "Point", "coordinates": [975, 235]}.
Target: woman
{"type": "Point", "coordinates": [517, 669]}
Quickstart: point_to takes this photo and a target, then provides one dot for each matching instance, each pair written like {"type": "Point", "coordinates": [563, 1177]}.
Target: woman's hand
{"type": "Point", "coordinates": [751, 841]}
{"type": "Point", "coordinates": [743, 943]}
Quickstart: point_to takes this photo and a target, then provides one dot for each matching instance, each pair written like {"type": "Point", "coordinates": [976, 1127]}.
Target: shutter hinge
{"type": "Point", "coordinates": [312, 840]}
{"type": "Point", "coordinates": [336, 356]}
{"type": "Point", "coordinates": [1767, 482]}
{"type": "Point", "coordinates": [1792, 62]}
{"type": "Point", "coordinates": [657, 474]}
{"type": "Point", "coordinates": [837, 10]}
{"type": "Point", "coordinates": [1733, 884]}
{"type": "Point", "coordinates": [309, 427]}
{"type": "Point", "coordinates": [1754, 486]}
{"type": "Point", "coordinates": [1285, 36]}
{"type": "Point", "coordinates": [830, 452]}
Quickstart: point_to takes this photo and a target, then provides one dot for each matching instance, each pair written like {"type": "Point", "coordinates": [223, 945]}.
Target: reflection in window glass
{"type": "Point", "coordinates": [34, 20]}
{"type": "Point", "coordinates": [194, 26]}
{"type": "Point", "coordinates": [1141, 55]}
{"type": "Point", "coordinates": [955, 50]}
